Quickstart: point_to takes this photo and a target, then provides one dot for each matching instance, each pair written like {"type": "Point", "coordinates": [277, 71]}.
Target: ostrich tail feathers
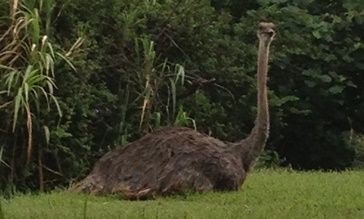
{"type": "Point", "coordinates": [92, 184]}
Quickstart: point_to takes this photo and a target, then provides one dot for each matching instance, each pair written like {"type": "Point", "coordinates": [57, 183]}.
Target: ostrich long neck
{"type": "Point", "coordinates": [251, 147]}
{"type": "Point", "coordinates": [262, 122]}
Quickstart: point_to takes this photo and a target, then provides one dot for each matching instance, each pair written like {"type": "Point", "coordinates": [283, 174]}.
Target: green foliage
{"type": "Point", "coordinates": [322, 76]}
{"type": "Point", "coordinates": [269, 159]}
{"type": "Point", "coordinates": [133, 66]}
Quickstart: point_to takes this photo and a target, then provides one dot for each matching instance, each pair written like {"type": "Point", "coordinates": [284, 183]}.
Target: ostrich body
{"type": "Point", "coordinates": [175, 160]}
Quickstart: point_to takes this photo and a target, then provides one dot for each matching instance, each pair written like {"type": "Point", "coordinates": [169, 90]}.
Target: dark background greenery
{"type": "Point", "coordinates": [315, 82]}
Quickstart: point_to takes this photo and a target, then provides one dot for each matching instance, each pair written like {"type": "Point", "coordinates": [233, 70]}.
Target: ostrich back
{"type": "Point", "coordinates": [172, 160]}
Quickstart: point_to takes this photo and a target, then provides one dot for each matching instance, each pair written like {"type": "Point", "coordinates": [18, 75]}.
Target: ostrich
{"type": "Point", "coordinates": [175, 160]}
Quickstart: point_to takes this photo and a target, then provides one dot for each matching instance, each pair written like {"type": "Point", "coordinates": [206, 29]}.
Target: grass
{"type": "Point", "coordinates": [266, 194]}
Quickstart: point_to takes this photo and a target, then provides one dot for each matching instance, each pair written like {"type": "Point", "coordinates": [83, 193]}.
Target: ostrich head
{"type": "Point", "coordinates": [266, 32]}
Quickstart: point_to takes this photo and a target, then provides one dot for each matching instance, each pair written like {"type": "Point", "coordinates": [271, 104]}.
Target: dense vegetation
{"type": "Point", "coordinates": [266, 194]}
{"type": "Point", "coordinates": [80, 77]}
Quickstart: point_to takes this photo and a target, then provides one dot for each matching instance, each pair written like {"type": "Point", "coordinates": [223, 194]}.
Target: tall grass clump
{"type": "Point", "coordinates": [159, 81]}
{"type": "Point", "coordinates": [28, 60]}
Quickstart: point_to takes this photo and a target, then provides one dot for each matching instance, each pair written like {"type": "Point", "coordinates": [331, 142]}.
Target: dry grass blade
{"type": "Point", "coordinates": [146, 102]}
{"type": "Point", "coordinates": [14, 7]}
{"type": "Point", "coordinates": [75, 46]}
{"type": "Point", "coordinates": [5, 104]}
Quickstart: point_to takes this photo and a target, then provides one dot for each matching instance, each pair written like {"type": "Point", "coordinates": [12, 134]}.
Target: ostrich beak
{"type": "Point", "coordinates": [268, 31]}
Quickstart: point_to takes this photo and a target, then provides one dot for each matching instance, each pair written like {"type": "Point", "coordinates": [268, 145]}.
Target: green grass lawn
{"type": "Point", "coordinates": [265, 194]}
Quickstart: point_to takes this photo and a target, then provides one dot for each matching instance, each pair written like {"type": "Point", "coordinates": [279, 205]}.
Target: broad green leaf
{"type": "Point", "coordinates": [351, 84]}
{"type": "Point", "coordinates": [336, 89]}
{"type": "Point", "coordinates": [316, 34]}
{"type": "Point", "coordinates": [325, 78]}
{"type": "Point", "coordinates": [61, 133]}
{"type": "Point", "coordinates": [310, 83]}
